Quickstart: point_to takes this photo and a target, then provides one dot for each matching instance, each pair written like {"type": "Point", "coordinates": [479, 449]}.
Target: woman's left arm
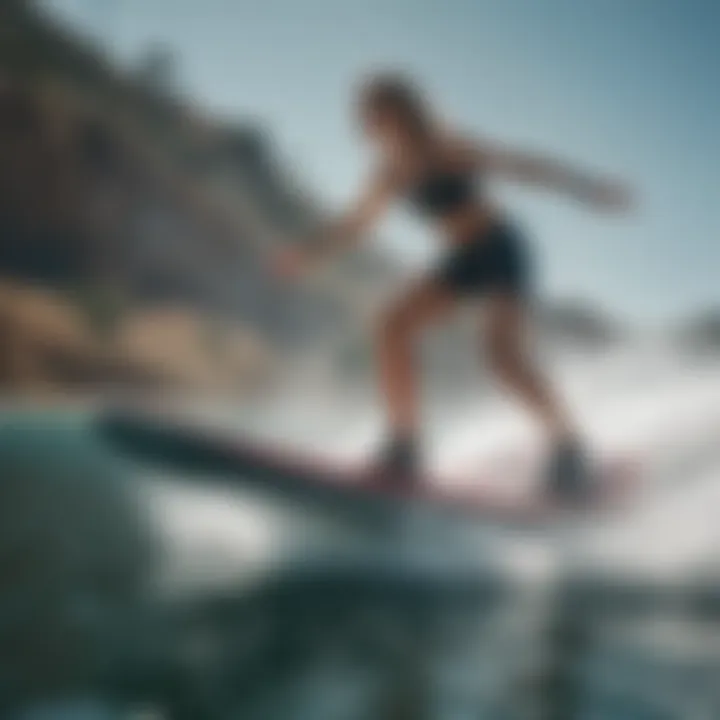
{"type": "Point", "coordinates": [542, 171]}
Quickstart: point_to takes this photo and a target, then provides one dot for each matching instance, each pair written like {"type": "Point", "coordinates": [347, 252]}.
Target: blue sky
{"type": "Point", "coordinates": [625, 86]}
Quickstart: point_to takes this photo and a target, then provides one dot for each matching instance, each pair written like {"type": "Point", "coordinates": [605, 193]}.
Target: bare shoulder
{"type": "Point", "coordinates": [462, 148]}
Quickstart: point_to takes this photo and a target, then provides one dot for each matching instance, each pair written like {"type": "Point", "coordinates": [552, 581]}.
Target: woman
{"type": "Point", "coordinates": [436, 171]}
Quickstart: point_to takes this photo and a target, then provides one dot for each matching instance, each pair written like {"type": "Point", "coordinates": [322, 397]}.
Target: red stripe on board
{"type": "Point", "coordinates": [477, 495]}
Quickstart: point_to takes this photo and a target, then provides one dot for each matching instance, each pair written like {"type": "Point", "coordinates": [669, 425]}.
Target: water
{"type": "Point", "coordinates": [268, 610]}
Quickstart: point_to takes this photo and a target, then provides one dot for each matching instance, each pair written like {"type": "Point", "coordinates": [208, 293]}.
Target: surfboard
{"type": "Point", "coordinates": [193, 448]}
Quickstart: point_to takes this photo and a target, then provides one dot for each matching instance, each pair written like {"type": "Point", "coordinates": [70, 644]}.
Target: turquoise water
{"type": "Point", "coordinates": [87, 535]}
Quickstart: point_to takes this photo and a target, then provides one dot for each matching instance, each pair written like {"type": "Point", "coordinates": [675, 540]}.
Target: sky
{"type": "Point", "coordinates": [624, 87]}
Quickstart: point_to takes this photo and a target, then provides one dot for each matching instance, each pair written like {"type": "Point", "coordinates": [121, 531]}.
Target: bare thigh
{"type": "Point", "coordinates": [513, 362]}
{"type": "Point", "coordinates": [507, 332]}
{"type": "Point", "coordinates": [423, 303]}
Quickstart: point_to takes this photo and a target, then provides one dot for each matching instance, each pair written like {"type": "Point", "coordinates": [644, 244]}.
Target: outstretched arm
{"type": "Point", "coordinates": [343, 232]}
{"type": "Point", "coordinates": [541, 171]}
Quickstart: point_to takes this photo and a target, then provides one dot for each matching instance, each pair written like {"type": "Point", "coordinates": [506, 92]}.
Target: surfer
{"type": "Point", "coordinates": [437, 170]}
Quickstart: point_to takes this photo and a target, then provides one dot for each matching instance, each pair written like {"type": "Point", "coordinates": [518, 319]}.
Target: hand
{"type": "Point", "coordinates": [610, 197]}
{"type": "Point", "coordinates": [290, 263]}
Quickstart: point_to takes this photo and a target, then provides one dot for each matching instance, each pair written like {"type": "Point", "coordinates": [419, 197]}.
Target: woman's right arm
{"type": "Point", "coordinates": [346, 230]}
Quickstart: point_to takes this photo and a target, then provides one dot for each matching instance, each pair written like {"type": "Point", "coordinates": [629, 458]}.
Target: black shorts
{"type": "Point", "coordinates": [497, 260]}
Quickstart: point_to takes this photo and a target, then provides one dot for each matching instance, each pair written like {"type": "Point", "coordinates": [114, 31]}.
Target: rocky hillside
{"type": "Point", "coordinates": [108, 187]}
{"type": "Point", "coordinates": [53, 344]}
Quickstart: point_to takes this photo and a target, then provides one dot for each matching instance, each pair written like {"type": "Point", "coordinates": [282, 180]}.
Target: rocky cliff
{"type": "Point", "coordinates": [109, 188]}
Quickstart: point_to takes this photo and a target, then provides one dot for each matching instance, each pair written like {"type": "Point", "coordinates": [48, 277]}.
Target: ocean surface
{"type": "Point", "coordinates": [610, 618]}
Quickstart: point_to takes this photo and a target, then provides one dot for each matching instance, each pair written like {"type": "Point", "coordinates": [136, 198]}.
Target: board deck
{"type": "Point", "coordinates": [192, 447]}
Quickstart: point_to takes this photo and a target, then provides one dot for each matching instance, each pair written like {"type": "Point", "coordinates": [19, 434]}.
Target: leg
{"type": "Point", "coordinates": [511, 362]}
{"type": "Point", "coordinates": [397, 333]}
{"type": "Point", "coordinates": [567, 472]}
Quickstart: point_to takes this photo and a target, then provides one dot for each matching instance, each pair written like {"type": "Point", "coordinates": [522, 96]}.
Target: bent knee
{"type": "Point", "coordinates": [397, 324]}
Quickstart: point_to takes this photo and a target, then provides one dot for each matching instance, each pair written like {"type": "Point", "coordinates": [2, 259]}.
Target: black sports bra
{"type": "Point", "coordinates": [440, 193]}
